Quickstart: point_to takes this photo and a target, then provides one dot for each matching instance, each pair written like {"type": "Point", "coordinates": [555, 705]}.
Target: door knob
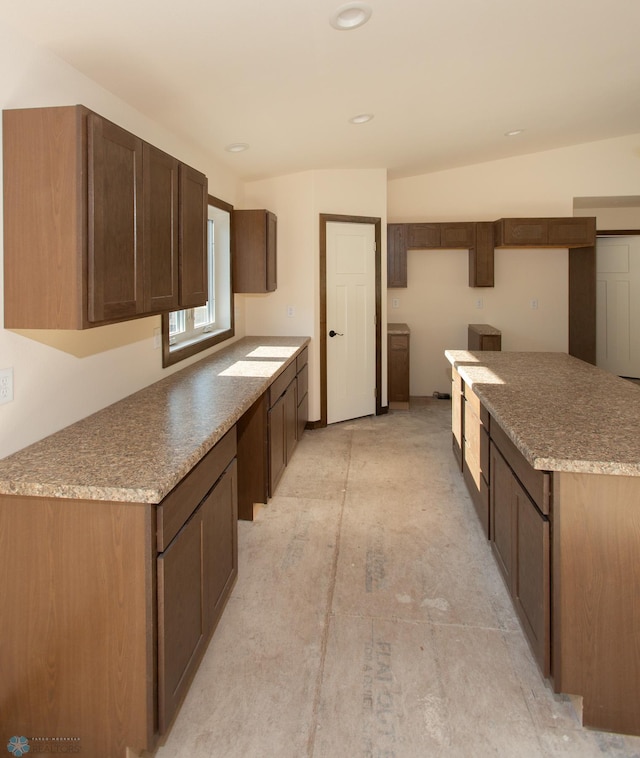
{"type": "Point", "coordinates": [335, 334]}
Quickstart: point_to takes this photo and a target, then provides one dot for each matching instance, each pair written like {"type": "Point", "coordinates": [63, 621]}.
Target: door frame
{"type": "Point", "coordinates": [326, 218]}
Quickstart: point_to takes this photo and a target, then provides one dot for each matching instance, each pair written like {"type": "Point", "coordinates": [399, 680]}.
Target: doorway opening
{"type": "Point", "coordinates": [326, 218]}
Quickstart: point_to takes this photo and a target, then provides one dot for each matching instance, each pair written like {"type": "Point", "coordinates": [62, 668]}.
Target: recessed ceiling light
{"type": "Point", "coordinates": [513, 133]}
{"type": "Point", "coordinates": [362, 118]}
{"type": "Point", "coordinates": [237, 147]}
{"type": "Point", "coordinates": [350, 16]}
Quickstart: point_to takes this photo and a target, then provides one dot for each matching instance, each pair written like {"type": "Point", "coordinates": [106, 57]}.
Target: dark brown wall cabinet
{"type": "Point", "coordinates": [255, 251]}
{"type": "Point", "coordinates": [476, 237]}
{"type": "Point", "coordinates": [397, 255]}
{"type": "Point", "coordinates": [100, 226]}
{"type": "Point", "coordinates": [535, 232]}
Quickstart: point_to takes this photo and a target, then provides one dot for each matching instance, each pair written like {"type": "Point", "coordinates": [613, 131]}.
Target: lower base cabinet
{"type": "Point", "coordinates": [519, 537]}
{"type": "Point", "coordinates": [268, 433]}
{"type": "Point", "coordinates": [195, 575]}
{"type": "Point", "coordinates": [109, 624]}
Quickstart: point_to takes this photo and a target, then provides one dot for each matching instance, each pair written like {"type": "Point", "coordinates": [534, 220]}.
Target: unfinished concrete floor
{"type": "Point", "coordinates": [369, 619]}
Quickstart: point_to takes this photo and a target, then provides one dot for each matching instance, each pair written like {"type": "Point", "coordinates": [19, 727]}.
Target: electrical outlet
{"type": "Point", "coordinates": [534, 304]}
{"type": "Point", "coordinates": [395, 302]}
{"type": "Point", "coordinates": [291, 311]}
{"type": "Point", "coordinates": [6, 385]}
{"type": "Point", "coordinates": [479, 303]}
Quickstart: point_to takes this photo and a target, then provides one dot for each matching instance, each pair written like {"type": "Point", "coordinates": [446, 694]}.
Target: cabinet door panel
{"type": "Point", "coordinates": [194, 209]}
{"type": "Point", "coordinates": [291, 425]}
{"type": "Point", "coordinates": [115, 253]}
{"type": "Point", "coordinates": [455, 235]}
{"type": "Point", "coordinates": [181, 617]}
{"type": "Point", "coordinates": [522, 231]}
{"type": "Point", "coordinates": [277, 444]}
{"type": "Point", "coordinates": [481, 256]}
{"type": "Point", "coordinates": [423, 236]}
{"type": "Point", "coordinates": [573, 232]}
{"type": "Point", "coordinates": [160, 230]}
{"type": "Point", "coordinates": [397, 255]}
{"type": "Point", "coordinates": [220, 538]}
{"type": "Point", "coordinates": [532, 576]}
{"type": "Point", "coordinates": [398, 368]}
{"type": "Point", "coordinates": [303, 416]}
{"type": "Point", "coordinates": [502, 517]}
{"type": "Point", "coordinates": [272, 247]}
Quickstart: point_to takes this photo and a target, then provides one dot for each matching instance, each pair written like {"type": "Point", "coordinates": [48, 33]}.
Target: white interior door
{"type": "Point", "coordinates": [351, 352]}
{"type": "Point", "coordinates": [618, 305]}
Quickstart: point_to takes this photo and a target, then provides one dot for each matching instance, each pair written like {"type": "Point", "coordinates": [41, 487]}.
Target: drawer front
{"type": "Point", "coordinates": [185, 497]}
{"type": "Point", "coordinates": [303, 383]}
{"type": "Point", "coordinates": [280, 384]}
{"type": "Point", "coordinates": [537, 483]}
{"type": "Point", "coordinates": [473, 401]}
{"type": "Point", "coordinates": [302, 359]}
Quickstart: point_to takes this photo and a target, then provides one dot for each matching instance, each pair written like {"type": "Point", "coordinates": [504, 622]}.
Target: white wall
{"type": "Point", "coordinates": [60, 377]}
{"type": "Point", "coordinates": [298, 200]}
{"type": "Point", "coordinates": [438, 304]}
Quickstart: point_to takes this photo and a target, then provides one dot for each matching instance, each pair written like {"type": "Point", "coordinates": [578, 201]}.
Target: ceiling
{"type": "Point", "coordinates": [445, 79]}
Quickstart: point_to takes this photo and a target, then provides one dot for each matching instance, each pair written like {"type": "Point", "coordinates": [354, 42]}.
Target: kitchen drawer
{"type": "Point", "coordinates": [302, 359]}
{"type": "Point", "coordinates": [473, 402]}
{"type": "Point", "coordinates": [303, 383]}
{"type": "Point", "coordinates": [280, 384]}
{"type": "Point", "coordinates": [185, 497]}
{"type": "Point", "coordinates": [537, 483]}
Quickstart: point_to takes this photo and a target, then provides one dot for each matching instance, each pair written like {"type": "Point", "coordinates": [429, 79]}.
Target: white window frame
{"type": "Point", "coordinates": [219, 325]}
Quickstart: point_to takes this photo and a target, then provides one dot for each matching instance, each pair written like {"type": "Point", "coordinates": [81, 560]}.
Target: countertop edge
{"type": "Point", "coordinates": [30, 487]}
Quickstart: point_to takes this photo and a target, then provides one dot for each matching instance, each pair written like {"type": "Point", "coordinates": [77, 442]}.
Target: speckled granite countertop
{"type": "Point", "coordinates": [563, 414]}
{"type": "Point", "coordinates": [485, 329]}
{"type": "Point", "coordinates": [398, 329]}
{"type": "Point", "coordinates": [139, 448]}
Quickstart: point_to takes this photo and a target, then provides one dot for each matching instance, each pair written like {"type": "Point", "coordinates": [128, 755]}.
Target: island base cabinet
{"type": "Point", "coordinates": [519, 535]}
{"type": "Point", "coordinates": [596, 607]}
{"type": "Point", "coordinates": [195, 575]}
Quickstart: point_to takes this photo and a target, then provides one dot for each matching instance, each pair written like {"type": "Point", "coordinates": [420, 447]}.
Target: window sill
{"type": "Point", "coordinates": [176, 353]}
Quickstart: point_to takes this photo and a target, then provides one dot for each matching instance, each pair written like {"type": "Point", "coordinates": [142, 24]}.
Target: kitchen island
{"type": "Point", "coordinates": [118, 551]}
{"type": "Point", "coordinates": [550, 449]}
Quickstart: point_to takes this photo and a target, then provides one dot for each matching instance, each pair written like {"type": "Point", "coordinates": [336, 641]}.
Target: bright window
{"type": "Point", "coordinates": [189, 331]}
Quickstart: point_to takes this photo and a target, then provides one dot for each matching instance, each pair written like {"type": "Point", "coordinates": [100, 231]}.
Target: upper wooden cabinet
{"type": "Point", "coordinates": [397, 255]}
{"type": "Point", "coordinates": [481, 238]}
{"type": "Point", "coordinates": [458, 235]}
{"type": "Point", "coordinates": [545, 232]}
{"type": "Point", "coordinates": [423, 236]}
{"type": "Point", "coordinates": [194, 209]}
{"type": "Point", "coordinates": [99, 225]}
{"type": "Point", "coordinates": [255, 251]}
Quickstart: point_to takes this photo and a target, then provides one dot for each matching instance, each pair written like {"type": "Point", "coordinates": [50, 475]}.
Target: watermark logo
{"type": "Point", "coordinates": [18, 746]}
